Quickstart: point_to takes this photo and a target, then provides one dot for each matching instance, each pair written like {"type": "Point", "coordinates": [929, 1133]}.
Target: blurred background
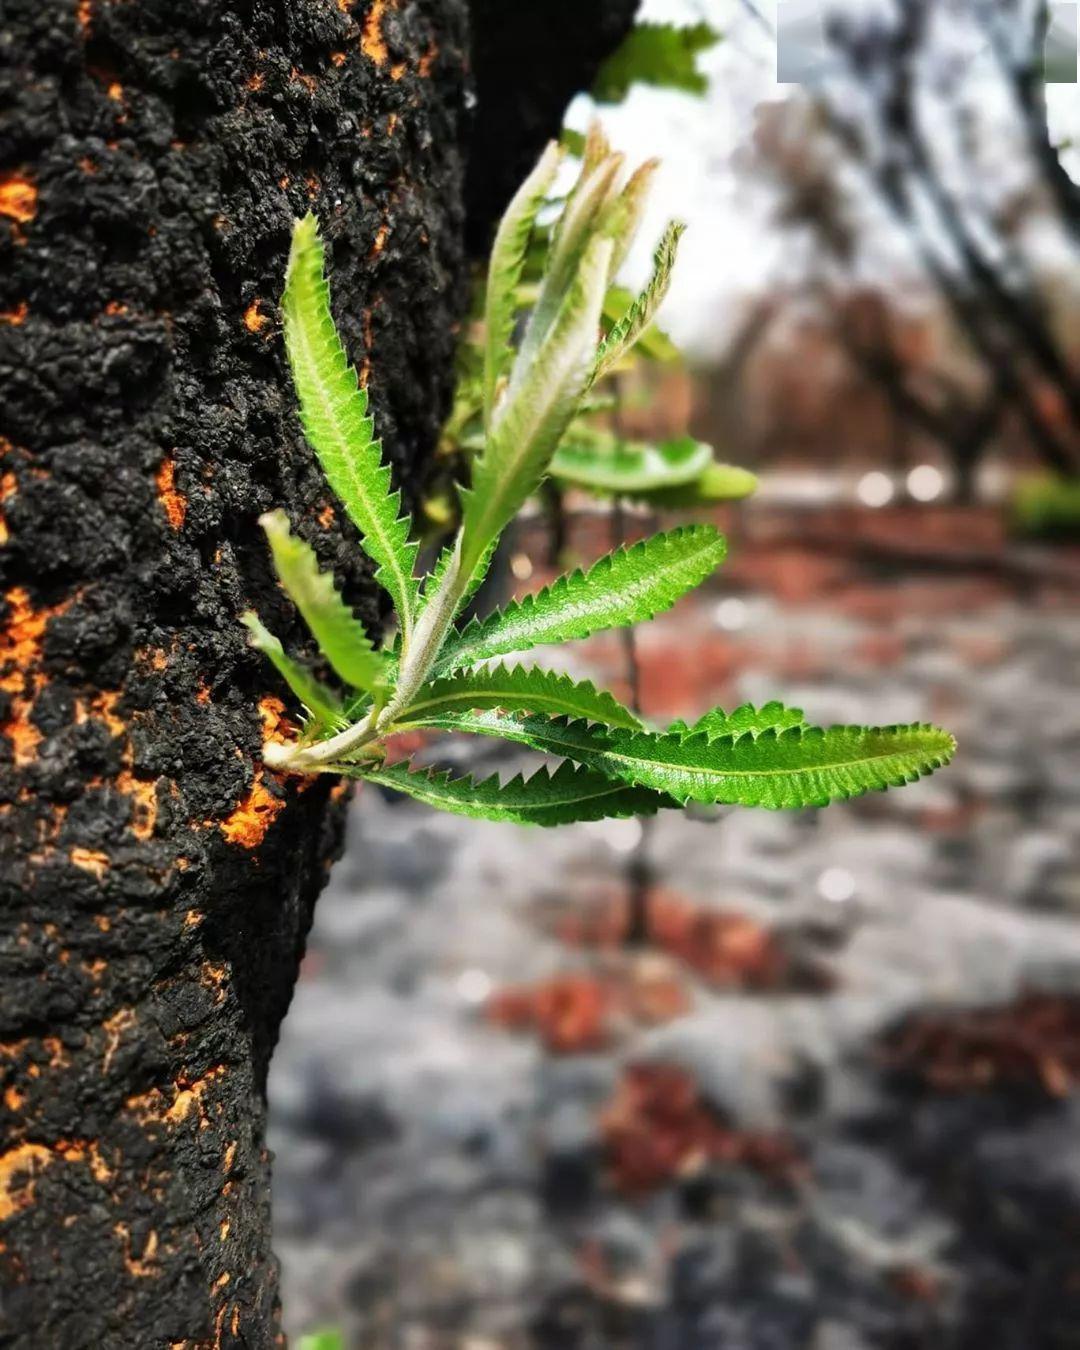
{"type": "Point", "coordinates": [744, 1080]}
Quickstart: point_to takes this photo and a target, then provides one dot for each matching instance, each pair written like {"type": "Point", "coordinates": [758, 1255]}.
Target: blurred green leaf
{"type": "Point", "coordinates": [322, 1340]}
{"type": "Point", "coordinates": [659, 54]}
{"type": "Point", "coordinates": [627, 468]}
{"type": "Point", "coordinates": [718, 483]}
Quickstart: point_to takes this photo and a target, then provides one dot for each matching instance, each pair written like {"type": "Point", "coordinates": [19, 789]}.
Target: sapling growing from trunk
{"type": "Point", "coordinates": [438, 675]}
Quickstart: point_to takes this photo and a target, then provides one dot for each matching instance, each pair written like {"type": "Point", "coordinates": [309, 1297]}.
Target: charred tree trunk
{"type": "Point", "coordinates": [157, 882]}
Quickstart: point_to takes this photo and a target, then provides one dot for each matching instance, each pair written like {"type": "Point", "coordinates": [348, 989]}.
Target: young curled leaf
{"type": "Point", "coordinates": [626, 331]}
{"type": "Point", "coordinates": [535, 414]}
{"type": "Point", "coordinates": [341, 637]}
{"type": "Point", "coordinates": [316, 698]}
{"type": "Point", "coordinates": [504, 271]}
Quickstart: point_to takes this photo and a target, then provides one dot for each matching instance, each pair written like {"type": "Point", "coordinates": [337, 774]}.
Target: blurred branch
{"type": "Point", "coordinates": [762, 22]}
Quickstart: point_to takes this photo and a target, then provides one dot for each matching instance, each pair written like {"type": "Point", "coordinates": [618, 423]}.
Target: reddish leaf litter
{"type": "Point", "coordinates": [657, 1129]}
{"type": "Point", "coordinates": [725, 948]}
{"type": "Point", "coordinates": [577, 1013]}
{"type": "Point", "coordinates": [1033, 1043]}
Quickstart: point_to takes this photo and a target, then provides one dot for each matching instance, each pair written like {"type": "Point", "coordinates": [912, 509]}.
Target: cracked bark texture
{"type": "Point", "coordinates": [157, 883]}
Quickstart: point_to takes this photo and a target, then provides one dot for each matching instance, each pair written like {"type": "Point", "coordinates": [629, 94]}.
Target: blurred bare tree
{"type": "Point", "coordinates": [932, 140]}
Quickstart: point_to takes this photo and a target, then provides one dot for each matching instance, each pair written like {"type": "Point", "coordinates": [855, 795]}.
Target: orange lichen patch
{"type": "Point", "coordinates": [13, 1099]}
{"type": "Point", "coordinates": [95, 969]}
{"type": "Point", "coordinates": [153, 657]}
{"type": "Point", "coordinates": [103, 707]}
{"type": "Point", "coordinates": [88, 166]}
{"type": "Point", "coordinates": [214, 977]}
{"type": "Point", "coordinates": [17, 316]}
{"type": "Point", "coordinates": [202, 694]}
{"type": "Point", "coordinates": [83, 14]}
{"type": "Point", "coordinates": [58, 1058]}
{"type": "Point", "coordinates": [255, 82]}
{"type": "Point", "coordinates": [193, 918]}
{"type": "Point", "coordinates": [153, 1107]}
{"type": "Point", "coordinates": [19, 1169]}
{"type": "Point", "coordinates": [115, 308]}
{"type": "Point", "coordinates": [8, 486]}
{"type": "Point", "coordinates": [427, 60]}
{"type": "Point", "coordinates": [230, 1155]}
{"type": "Point", "coordinates": [276, 723]}
{"type": "Point", "coordinates": [372, 43]}
{"type": "Point", "coordinates": [144, 805]}
{"type": "Point", "coordinates": [116, 91]}
{"type": "Point", "coordinates": [254, 319]}
{"type": "Point", "coordinates": [103, 922]}
{"type": "Point", "coordinates": [381, 235]}
{"type": "Point", "coordinates": [18, 198]}
{"type": "Point", "coordinates": [248, 824]}
{"type": "Point", "coordinates": [337, 58]}
{"type": "Point", "coordinates": [326, 516]}
{"type": "Point", "coordinates": [309, 82]}
{"type": "Point", "coordinates": [84, 1150]}
{"type": "Point", "coordinates": [657, 1128]}
{"type": "Point", "coordinates": [284, 181]}
{"type": "Point", "coordinates": [144, 1266]}
{"type": "Point", "coordinates": [223, 1231]}
{"type": "Point", "coordinates": [313, 185]}
{"type": "Point", "coordinates": [5, 532]}
{"type": "Point", "coordinates": [90, 860]}
{"type": "Point", "coordinates": [114, 1028]}
{"type": "Point", "coordinates": [21, 641]}
{"type": "Point", "coordinates": [222, 1280]}
{"type": "Point", "coordinates": [173, 501]}
{"type": "Point", "coordinates": [391, 123]}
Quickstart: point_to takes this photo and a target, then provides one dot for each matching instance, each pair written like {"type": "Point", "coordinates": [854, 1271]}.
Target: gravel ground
{"type": "Point", "coordinates": [840, 1117]}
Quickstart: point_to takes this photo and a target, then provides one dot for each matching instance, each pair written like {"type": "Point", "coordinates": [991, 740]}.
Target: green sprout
{"type": "Point", "coordinates": [439, 675]}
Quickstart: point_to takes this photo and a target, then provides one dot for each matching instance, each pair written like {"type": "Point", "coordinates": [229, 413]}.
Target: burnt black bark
{"type": "Point", "coordinates": [528, 61]}
{"type": "Point", "coordinates": [157, 882]}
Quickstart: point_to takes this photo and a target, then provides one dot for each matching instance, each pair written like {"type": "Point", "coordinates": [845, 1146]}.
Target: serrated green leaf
{"type": "Point", "coordinates": [626, 468]}
{"type": "Point", "coordinates": [569, 795]}
{"type": "Point", "coordinates": [774, 716]}
{"type": "Point", "coordinates": [802, 766]}
{"type": "Point", "coordinates": [319, 701]}
{"type": "Point", "coordinates": [626, 331]}
{"type": "Point", "coordinates": [341, 637]}
{"type": "Point", "coordinates": [623, 588]}
{"type": "Point", "coordinates": [663, 55]}
{"type": "Point", "coordinates": [717, 483]}
{"type": "Point", "coordinates": [333, 410]}
{"type": "Point", "coordinates": [504, 271]}
{"type": "Point", "coordinates": [653, 343]}
{"type": "Point", "coordinates": [535, 414]}
{"type": "Point", "coordinates": [518, 689]}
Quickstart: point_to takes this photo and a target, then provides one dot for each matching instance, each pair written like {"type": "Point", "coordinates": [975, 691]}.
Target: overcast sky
{"type": "Point", "coordinates": [729, 252]}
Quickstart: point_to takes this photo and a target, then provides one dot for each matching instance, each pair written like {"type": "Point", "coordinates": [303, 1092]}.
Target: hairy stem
{"type": "Point", "coordinates": [428, 637]}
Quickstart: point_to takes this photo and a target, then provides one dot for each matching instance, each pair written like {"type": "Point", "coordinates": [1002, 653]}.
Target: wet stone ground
{"type": "Point", "coordinates": [831, 1101]}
